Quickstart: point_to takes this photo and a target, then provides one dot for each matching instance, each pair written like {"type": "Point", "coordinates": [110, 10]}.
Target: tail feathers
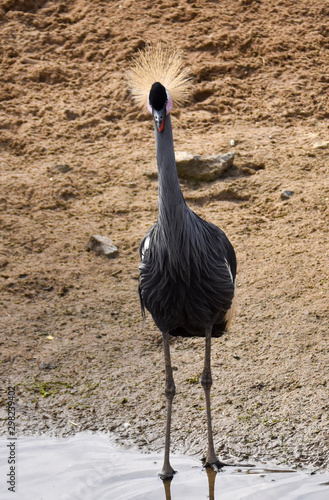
{"type": "Point", "coordinates": [230, 313]}
{"type": "Point", "coordinates": [141, 303]}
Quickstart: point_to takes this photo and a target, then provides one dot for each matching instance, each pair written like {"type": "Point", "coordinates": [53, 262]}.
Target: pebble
{"type": "Point", "coordinates": [3, 262]}
{"type": "Point", "coordinates": [47, 366]}
{"type": "Point", "coordinates": [102, 245]}
{"type": "Point", "coordinates": [286, 194]}
{"type": "Point", "coordinates": [321, 145]}
{"type": "Point", "coordinates": [71, 115]}
{"type": "Point", "coordinates": [63, 168]}
{"type": "Point", "coordinates": [233, 142]}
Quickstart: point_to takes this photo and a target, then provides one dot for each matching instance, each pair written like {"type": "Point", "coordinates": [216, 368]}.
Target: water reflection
{"type": "Point", "coordinates": [166, 484]}
{"type": "Point", "coordinates": [211, 482]}
{"type": "Point", "coordinates": [211, 474]}
{"type": "Point", "coordinates": [88, 467]}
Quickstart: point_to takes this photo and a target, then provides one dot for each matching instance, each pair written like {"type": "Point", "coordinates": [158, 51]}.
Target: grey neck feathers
{"type": "Point", "coordinates": [171, 201]}
{"type": "Point", "coordinates": [173, 226]}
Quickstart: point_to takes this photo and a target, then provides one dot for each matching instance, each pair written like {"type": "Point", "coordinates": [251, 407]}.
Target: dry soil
{"type": "Point", "coordinates": [76, 156]}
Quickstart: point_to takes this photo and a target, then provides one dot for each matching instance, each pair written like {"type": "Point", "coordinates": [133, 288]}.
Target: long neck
{"type": "Point", "coordinates": [171, 201]}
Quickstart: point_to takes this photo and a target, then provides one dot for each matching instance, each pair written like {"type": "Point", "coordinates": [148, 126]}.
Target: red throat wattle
{"type": "Point", "coordinates": [162, 126]}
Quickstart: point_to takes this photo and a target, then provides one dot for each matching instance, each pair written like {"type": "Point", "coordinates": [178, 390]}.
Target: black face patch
{"type": "Point", "coordinates": [158, 96]}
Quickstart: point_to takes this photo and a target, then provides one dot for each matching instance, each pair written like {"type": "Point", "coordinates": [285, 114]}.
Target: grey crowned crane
{"type": "Point", "coordinates": [188, 265]}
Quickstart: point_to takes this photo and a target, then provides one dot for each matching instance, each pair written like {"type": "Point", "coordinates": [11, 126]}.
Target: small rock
{"type": "Point", "coordinates": [63, 168]}
{"type": "Point", "coordinates": [233, 142]}
{"type": "Point", "coordinates": [63, 290]}
{"type": "Point", "coordinates": [102, 246]}
{"type": "Point", "coordinates": [286, 194]}
{"type": "Point", "coordinates": [47, 366]}
{"type": "Point", "coordinates": [151, 174]}
{"type": "Point", "coordinates": [321, 145]}
{"type": "Point", "coordinates": [202, 168]}
{"type": "Point", "coordinates": [184, 157]}
{"type": "Point", "coordinates": [3, 263]}
{"type": "Point", "coordinates": [71, 115]}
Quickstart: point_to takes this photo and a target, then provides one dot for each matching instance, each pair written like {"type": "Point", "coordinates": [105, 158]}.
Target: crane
{"type": "Point", "coordinates": [188, 265]}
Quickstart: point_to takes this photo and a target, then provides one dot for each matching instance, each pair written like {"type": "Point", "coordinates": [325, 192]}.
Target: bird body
{"type": "Point", "coordinates": [188, 268]}
{"type": "Point", "coordinates": [188, 265]}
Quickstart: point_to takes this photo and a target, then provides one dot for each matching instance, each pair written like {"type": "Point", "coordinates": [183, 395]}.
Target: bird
{"type": "Point", "coordinates": [187, 272]}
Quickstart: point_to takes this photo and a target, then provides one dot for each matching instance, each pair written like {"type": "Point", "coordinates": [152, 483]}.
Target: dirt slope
{"type": "Point", "coordinates": [75, 154]}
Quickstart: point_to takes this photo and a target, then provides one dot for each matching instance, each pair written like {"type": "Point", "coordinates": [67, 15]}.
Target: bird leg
{"type": "Point", "coordinates": [167, 471]}
{"type": "Point", "coordinates": [206, 382]}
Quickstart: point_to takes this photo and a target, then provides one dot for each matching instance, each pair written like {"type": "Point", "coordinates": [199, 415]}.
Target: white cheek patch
{"type": "Point", "coordinates": [149, 107]}
{"type": "Point", "coordinates": [169, 104]}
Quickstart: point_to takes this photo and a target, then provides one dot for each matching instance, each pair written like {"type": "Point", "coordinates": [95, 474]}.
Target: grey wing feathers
{"type": "Point", "coordinates": [191, 286]}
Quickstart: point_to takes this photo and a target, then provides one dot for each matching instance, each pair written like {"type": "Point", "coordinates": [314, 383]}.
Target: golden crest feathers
{"type": "Point", "coordinates": [159, 64]}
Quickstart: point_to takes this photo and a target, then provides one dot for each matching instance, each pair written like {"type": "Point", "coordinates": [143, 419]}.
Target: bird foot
{"type": "Point", "coordinates": [167, 473]}
{"type": "Point", "coordinates": [216, 465]}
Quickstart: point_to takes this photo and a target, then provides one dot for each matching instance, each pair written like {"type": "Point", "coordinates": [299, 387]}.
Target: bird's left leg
{"type": "Point", "coordinates": [206, 382]}
{"type": "Point", "coordinates": [167, 471]}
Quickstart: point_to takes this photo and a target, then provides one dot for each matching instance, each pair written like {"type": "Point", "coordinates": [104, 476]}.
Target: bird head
{"type": "Point", "coordinates": [151, 66]}
{"type": "Point", "coordinates": [159, 104]}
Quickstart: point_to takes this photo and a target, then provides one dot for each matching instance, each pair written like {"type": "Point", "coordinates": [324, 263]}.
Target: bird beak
{"type": "Point", "coordinates": [159, 118]}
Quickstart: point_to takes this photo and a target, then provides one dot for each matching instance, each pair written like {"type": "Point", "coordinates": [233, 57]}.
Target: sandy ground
{"type": "Point", "coordinates": [75, 160]}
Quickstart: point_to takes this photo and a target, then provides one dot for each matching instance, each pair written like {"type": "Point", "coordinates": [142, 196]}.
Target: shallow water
{"type": "Point", "coordinates": [88, 467]}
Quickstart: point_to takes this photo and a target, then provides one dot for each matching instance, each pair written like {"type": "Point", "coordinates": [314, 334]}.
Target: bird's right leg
{"type": "Point", "coordinates": [167, 471]}
{"type": "Point", "coordinates": [206, 382]}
